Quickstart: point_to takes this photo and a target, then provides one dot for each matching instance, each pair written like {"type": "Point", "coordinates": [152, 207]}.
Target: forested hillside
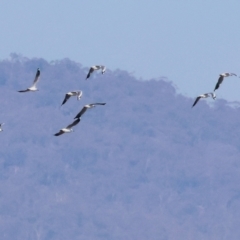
{"type": "Point", "coordinates": [144, 166]}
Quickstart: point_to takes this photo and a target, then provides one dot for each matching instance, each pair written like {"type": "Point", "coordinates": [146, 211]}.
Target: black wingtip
{"type": "Point", "coordinates": [216, 87]}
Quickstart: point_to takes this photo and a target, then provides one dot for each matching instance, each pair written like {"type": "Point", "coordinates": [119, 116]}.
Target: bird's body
{"type": "Point", "coordinates": [86, 107]}
{"type": "Point", "coordinates": [96, 67]}
{"type": "Point", "coordinates": [67, 129]}
{"type": "Point", "coordinates": [33, 88]}
{"type": "Point", "coordinates": [70, 94]}
{"type": "Point", "coordinates": [221, 78]}
{"type": "Point", "coordinates": [205, 95]}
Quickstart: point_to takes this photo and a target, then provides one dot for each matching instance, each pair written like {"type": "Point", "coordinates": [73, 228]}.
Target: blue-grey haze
{"type": "Point", "coordinates": [144, 166]}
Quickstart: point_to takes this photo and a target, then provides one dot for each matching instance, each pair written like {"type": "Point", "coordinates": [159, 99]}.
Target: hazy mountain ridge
{"type": "Point", "coordinates": [144, 166]}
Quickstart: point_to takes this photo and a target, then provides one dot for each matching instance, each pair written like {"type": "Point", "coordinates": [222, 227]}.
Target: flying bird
{"type": "Point", "coordinates": [68, 129]}
{"type": "Point", "coordinates": [33, 87]}
{"type": "Point", "coordinates": [221, 77]}
{"type": "Point", "coordinates": [205, 95]}
{"type": "Point", "coordinates": [86, 107]}
{"type": "Point", "coordinates": [96, 67]}
{"type": "Point", "coordinates": [1, 124]}
{"type": "Point", "coordinates": [73, 93]}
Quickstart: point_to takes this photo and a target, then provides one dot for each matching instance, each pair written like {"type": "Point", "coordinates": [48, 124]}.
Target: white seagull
{"type": "Point", "coordinates": [77, 93]}
{"type": "Point", "coordinates": [84, 109]}
{"type": "Point", "coordinates": [205, 95]}
{"type": "Point", "coordinates": [96, 67]}
{"type": "Point", "coordinates": [68, 129]}
{"type": "Point", "coordinates": [222, 76]}
{"type": "Point", "coordinates": [1, 124]}
{"type": "Point", "coordinates": [33, 87]}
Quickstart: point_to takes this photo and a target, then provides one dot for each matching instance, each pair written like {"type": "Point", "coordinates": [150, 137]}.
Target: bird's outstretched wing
{"type": "Point", "coordinates": [83, 110]}
{"type": "Point", "coordinates": [36, 79]}
{"type": "Point", "coordinates": [90, 71]}
{"type": "Point", "coordinates": [27, 90]}
{"type": "Point", "coordinates": [74, 123]}
{"type": "Point", "coordinates": [59, 133]}
{"type": "Point", "coordinates": [220, 80]}
{"type": "Point", "coordinates": [67, 96]}
{"type": "Point", "coordinates": [197, 99]}
{"type": "Point", "coordinates": [92, 104]}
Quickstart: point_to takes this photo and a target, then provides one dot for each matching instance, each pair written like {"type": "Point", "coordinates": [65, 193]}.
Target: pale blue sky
{"type": "Point", "coordinates": [189, 42]}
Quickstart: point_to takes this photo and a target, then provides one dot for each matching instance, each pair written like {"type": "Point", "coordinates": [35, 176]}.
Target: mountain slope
{"type": "Point", "coordinates": [144, 166]}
